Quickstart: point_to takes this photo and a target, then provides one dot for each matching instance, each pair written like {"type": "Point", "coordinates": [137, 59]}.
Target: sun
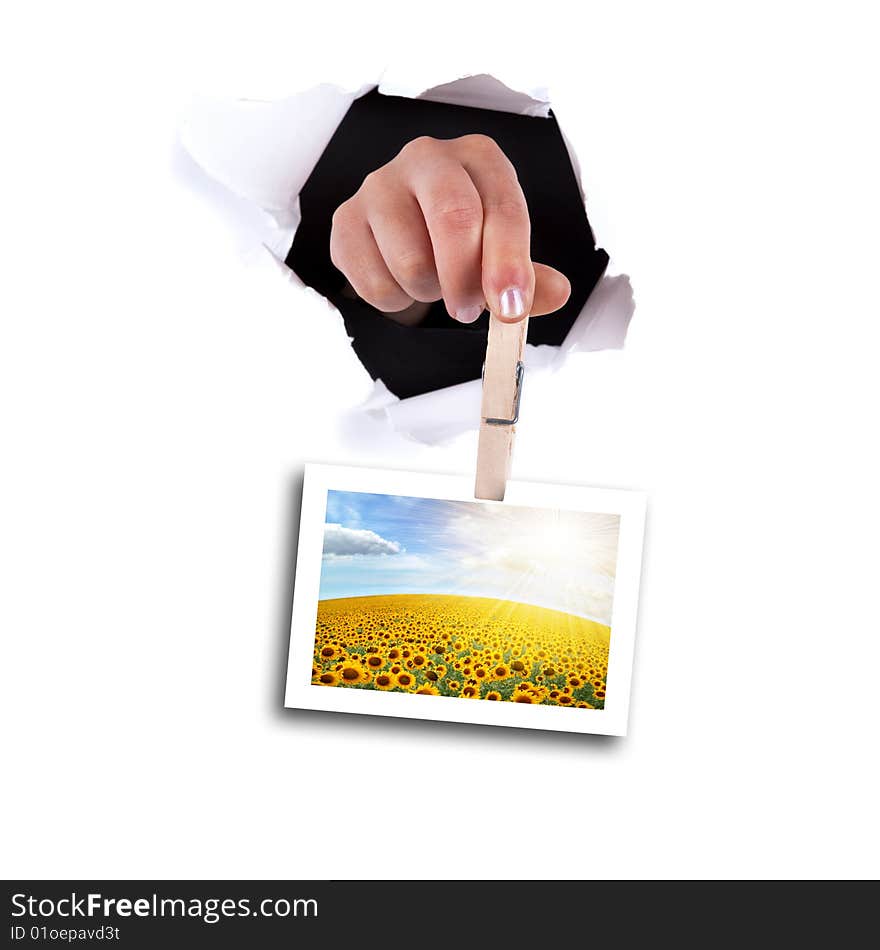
{"type": "Point", "coordinates": [555, 542]}
{"type": "Point", "coordinates": [551, 544]}
{"type": "Point", "coordinates": [558, 559]}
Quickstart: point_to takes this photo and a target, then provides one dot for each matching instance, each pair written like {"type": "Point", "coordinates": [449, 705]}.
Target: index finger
{"type": "Point", "coordinates": [507, 273]}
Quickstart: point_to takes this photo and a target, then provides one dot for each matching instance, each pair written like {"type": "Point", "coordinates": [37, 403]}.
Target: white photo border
{"type": "Point", "coordinates": [302, 694]}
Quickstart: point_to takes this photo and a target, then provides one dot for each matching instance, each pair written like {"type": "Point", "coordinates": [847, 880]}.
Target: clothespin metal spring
{"type": "Point", "coordinates": [520, 372]}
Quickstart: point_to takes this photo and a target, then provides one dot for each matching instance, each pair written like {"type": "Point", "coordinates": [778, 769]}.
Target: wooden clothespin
{"type": "Point", "coordinates": [502, 389]}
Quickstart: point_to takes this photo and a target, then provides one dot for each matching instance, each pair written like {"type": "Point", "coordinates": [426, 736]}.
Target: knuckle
{"type": "Point", "coordinates": [373, 287]}
{"type": "Point", "coordinates": [344, 217]}
{"type": "Point", "coordinates": [420, 146]}
{"type": "Point", "coordinates": [342, 236]}
{"type": "Point", "coordinates": [338, 255]}
{"type": "Point", "coordinates": [373, 182]}
{"type": "Point", "coordinates": [512, 208]}
{"type": "Point", "coordinates": [415, 269]}
{"type": "Point", "coordinates": [458, 217]}
{"type": "Point", "coordinates": [481, 144]}
{"type": "Point", "coordinates": [380, 292]}
{"type": "Point", "coordinates": [342, 213]}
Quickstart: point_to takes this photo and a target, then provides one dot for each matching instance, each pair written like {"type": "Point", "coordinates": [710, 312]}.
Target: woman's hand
{"type": "Point", "coordinates": [445, 218]}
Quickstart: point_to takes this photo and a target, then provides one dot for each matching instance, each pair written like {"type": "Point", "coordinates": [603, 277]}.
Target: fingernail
{"type": "Point", "coordinates": [468, 314]}
{"type": "Point", "coordinates": [512, 303]}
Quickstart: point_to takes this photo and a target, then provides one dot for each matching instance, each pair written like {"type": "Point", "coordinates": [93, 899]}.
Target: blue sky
{"type": "Point", "coordinates": [391, 544]}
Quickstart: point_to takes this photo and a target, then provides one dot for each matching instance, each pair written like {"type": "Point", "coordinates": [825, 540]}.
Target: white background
{"type": "Point", "coordinates": [162, 385]}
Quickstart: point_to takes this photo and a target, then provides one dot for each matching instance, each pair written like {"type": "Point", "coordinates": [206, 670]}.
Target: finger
{"type": "Point", "coordinates": [552, 290]}
{"type": "Point", "coordinates": [453, 214]}
{"type": "Point", "coordinates": [354, 251]}
{"type": "Point", "coordinates": [508, 278]}
{"type": "Point", "coordinates": [401, 235]}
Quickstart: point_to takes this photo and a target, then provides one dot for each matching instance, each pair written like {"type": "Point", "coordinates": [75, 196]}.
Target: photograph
{"type": "Point", "coordinates": [458, 598]}
{"type": "Point", "coordinates": [425, 593]}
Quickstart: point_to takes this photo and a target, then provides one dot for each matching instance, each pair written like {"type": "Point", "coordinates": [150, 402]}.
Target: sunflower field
{"type": "Point", "coordinates": [469, 647]}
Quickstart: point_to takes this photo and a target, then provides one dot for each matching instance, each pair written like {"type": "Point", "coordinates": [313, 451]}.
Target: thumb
{"type": "Point", "coordinates": [552, 290]}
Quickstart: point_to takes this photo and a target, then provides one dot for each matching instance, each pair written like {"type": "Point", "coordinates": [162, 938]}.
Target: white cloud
{"type": "Point", "coordinates": [345, 542]}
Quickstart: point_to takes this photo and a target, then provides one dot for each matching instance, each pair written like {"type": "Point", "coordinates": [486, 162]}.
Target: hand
{"type": "Point", "coordinates": [445, 218]}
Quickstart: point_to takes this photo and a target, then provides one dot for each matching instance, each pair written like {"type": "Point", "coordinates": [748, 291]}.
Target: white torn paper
{"type": "Point", "coordinates": [480, 91]}
{"type": "Point", "coordinates": [264, 152]}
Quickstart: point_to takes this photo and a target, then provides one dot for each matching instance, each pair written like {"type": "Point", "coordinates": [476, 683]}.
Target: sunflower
{"type": "Point", "coordinates": [493, 694]}
{"type": "Point", "coordinates": [531, 692]}
{"type": "Point", "coordinates": [471, 691]}
{"type": "Point", "coordinates": [353, 671]}
{"type": "Point", "coordinates": [427, 690]}
{"type": "Point", "coordinates": [327, 679]}
{"type": "Point", "coordinates": [405, 680]}
{"type": "Point", "coordinates": [384, 681]}
{"type": "Point", "coordinates": [369, 637]}
{"type": "Point", "coordinates": [523, 698]}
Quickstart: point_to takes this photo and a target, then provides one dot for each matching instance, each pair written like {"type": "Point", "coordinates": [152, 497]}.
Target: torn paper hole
{"type": "Point", "coordinates": [265, 151]}
{"type": "Point", "coordinates": [441, 416]}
